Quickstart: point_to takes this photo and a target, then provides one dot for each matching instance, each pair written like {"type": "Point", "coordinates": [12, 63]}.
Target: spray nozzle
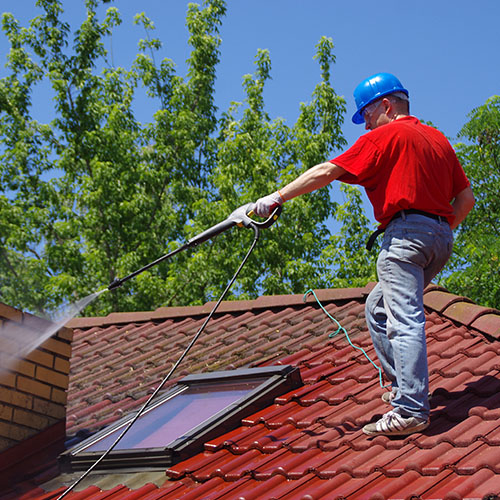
{"type": "Point", "coordinates": [115, 284]}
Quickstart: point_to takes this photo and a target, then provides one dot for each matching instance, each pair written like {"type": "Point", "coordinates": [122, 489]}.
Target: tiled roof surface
{"type": "Point", "coordinates": [119, 359]}
{"type": "Point", "coordinates": [309, 443]}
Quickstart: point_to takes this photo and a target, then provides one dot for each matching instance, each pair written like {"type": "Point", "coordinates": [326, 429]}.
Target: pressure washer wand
{"type": "Point", "coordinates": [240, 217]}
{"type": "Point", "coordinates": [119, 281]}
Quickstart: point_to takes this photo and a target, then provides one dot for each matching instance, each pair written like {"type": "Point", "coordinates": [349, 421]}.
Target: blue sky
{"type": "Point", "coordinates": [445, 52]}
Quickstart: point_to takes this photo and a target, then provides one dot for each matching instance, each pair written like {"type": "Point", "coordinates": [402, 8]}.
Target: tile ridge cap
{"type": "Point", "coordinates": [454, 298]}
{"type": "Point", "coordinates": [227, 306]}
{"type": "Point", "coordinates": [483, 311]}
{"type": "Point", "coordinates": [447, 310]}
{"type": "Point", "coordinates": [111, 319]}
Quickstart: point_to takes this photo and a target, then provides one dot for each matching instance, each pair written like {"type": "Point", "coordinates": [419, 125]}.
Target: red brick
{"type": "Point", "coordinates": [30, 419]}
{"type": "Point", "coordinates": [61, 365]}
{"type": "Point", "coordinates": [33, 387]}
{"type": "Point", "coordinates": [16, 398]}
{"type": "Point", "coordinates": [15, 432]}
{"type": "Point", "coordinates": [6, 412]}
{"type": "Point", "coordinates": [51, 377]}
{"type": "Point", "coordinates": [41, 358]}
{"type": "Point", "coordinates": [59, 396]}
{"type": "Point", "coordinates": [36, 324]}
{"type": "Point", "coordinates": [25, 368]}
{"type": "Point", "coordinates": [49, 409]}
{"type": "Point", "coordinates": [7, 378]}
{"type": "Point", "coordinates": [10, 313]}
{"type": "Point", "coordinates": [65, 333]}
{"type": "Point", "coordinates": [58, 347]}
{"type": "Point", "coordinates": [11, 336]}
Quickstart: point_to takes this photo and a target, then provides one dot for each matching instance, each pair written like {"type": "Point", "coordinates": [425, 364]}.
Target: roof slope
{"type": "Point", "coordinates": [118, 360]}
{"type": "Point", "coordinates": [309, 443]}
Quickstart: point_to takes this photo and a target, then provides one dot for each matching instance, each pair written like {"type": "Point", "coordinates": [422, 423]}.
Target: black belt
{"type": "Point", "coordinates": [397, 215]}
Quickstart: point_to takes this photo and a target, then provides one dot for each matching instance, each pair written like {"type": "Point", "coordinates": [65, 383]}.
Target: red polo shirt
{"type": "Point", "coordinates": [404, 164]}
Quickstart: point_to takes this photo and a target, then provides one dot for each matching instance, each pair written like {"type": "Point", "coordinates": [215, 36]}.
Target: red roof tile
{"type": "Point", "coordinates": [438, 299]}
{"type": "Point", "coordinates": [488, 324]}
{"type": "Point", "coordinates": [309, 443]}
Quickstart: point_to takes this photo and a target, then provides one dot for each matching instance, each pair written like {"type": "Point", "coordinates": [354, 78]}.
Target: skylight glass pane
{"type": "Point", "coordinates": [175, 417]}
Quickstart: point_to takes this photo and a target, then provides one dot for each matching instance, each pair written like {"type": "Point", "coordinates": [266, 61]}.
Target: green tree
{"type": "Point", "coordinates": [474, 269]}
{"type": "Point", "coordinates": [95, 194]}
{"type": "Point", "coordinates": [346, 260]}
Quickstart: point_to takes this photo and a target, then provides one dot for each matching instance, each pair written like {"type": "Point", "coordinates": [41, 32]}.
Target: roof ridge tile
{"type": "Point", "coordinates": [466, 312]}
{"type": "Point", "coordinates": [488, 323]}
{"type": "Point", "coordinates": [463, 310]}
{"type": "Point", "coordinates": [438, 299]}
{"type": "Point", "coordinates": [263, 302]}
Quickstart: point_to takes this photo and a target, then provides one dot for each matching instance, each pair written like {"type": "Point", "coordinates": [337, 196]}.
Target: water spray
{"type": "Point", "coordinates": [20, 339]}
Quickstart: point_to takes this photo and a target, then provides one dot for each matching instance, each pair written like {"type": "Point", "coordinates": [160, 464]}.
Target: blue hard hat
{"type": "Point", "coordinates": [372, 88]}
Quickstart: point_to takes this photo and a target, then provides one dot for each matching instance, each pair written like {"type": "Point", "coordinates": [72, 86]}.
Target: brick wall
{"type": "Point", "coordinates": [32, 388]}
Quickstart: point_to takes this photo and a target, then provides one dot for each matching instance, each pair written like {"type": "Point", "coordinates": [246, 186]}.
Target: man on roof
{"type": "Point", "coordinates": [419, 194]}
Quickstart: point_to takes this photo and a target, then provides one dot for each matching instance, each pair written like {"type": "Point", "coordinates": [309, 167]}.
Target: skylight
{"type": "Point", "coordinates": [199, 408]}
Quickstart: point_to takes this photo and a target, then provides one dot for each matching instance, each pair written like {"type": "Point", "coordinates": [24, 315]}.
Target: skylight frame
{"type": "Point", "coordinates": [277, 380]}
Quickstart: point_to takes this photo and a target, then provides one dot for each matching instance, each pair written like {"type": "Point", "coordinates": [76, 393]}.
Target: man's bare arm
{"type": "Point", "coordinates": [462, 205]}
{"type": "Point", "coordinates": [315, 178]}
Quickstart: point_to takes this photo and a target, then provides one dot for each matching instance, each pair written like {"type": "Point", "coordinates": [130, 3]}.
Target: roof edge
{"type": "Point", "coordinates": [230, 306]}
